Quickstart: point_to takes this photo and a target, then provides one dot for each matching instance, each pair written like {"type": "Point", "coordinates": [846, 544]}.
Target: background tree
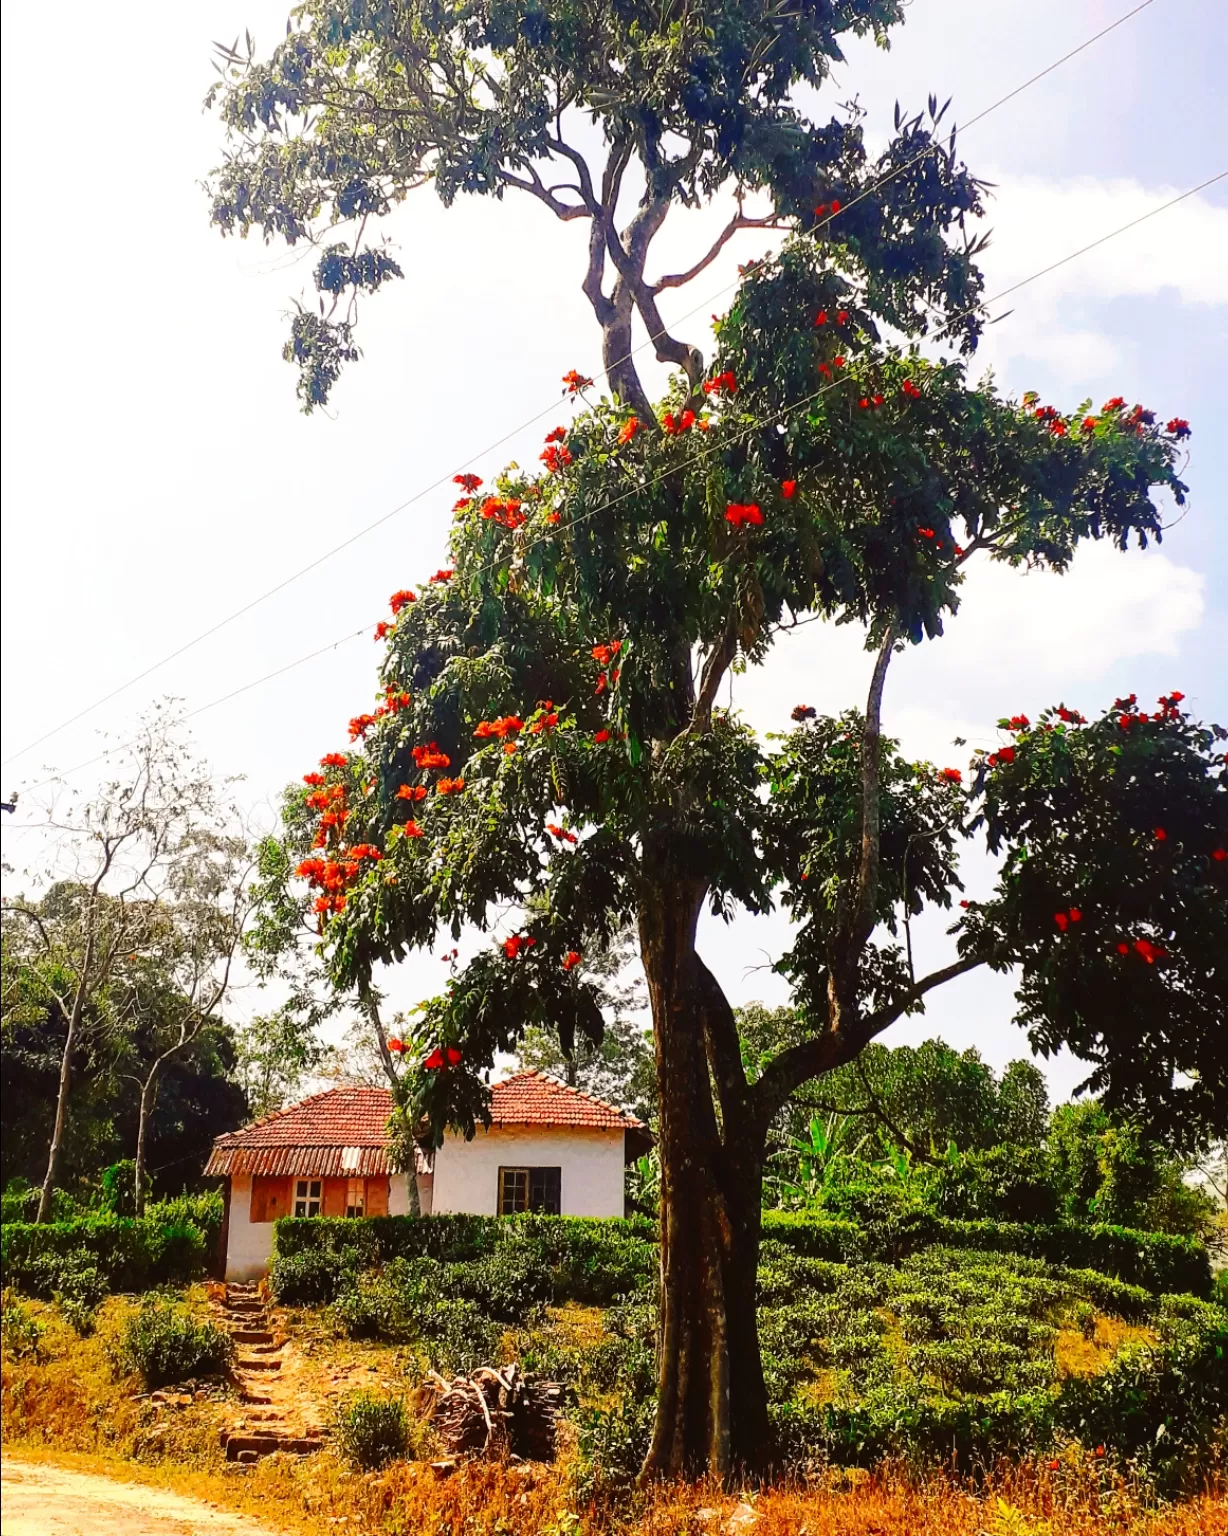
{"type": "Point", "coordinates": [118, 865]}
{"type": "Point", "coordinates": [547, 737]}
{"type": "Point", "coordinates": [275, 1058]}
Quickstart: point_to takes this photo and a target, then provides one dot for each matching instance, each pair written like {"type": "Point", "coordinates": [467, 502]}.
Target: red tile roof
{"type": "Point", "coordinates": [344, 1130]}
{"type": "Point", "coordinates": [534, 1098]}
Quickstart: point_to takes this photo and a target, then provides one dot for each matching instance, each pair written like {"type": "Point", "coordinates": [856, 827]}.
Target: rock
{"type": "Point", "coordinates": [742, 1519]}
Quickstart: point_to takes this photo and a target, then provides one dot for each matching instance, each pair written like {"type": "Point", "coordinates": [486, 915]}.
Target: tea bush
{"type": "Point", "coordinates": [371, 1430]}
{"type": "Point", "coordinates": [165, 1344]}
{"type": "Point", "coordinates": [126, 1254]}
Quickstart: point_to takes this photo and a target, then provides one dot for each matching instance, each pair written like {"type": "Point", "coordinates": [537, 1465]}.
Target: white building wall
{"type": "Point", "coordinates": [467, 1172]}
{"type": "Point", "coordinates": [249, 1244]}
{"type": "Point", "coordinates": [398, 1194]}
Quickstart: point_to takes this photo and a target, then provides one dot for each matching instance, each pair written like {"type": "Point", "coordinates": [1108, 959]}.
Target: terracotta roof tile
{"type": "Point", "coordinates": [348, 1126]}
{"type": "Point", "coordinates": [535, 1098]}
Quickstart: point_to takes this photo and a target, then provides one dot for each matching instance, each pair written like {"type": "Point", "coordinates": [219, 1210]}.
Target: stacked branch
{"type": "Point", "coordinates": [494, 1413]}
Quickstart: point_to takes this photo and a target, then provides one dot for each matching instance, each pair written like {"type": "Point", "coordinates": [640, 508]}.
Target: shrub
{"type": "Point", "coordinates": [610, 1446]}
{"type": "Point", "coordinates": [129, 1255]}
{"type": "Point", "coordinates": [22, 1332]}
{"type": "Point", "coordinates": [1004, 1184]}
{"type": "Point", "coordinates": [164, 1344]}
{"type": "Point", "coordinates": [371, 1430]}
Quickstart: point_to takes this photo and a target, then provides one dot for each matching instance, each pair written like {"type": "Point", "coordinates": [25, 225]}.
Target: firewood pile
{"type": "Point", "coordinates": [493, 1413]}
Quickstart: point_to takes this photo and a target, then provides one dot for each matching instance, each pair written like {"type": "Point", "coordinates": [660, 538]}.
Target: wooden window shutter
{"type": "Point", "coordinates": [270, 1198]}
{"type": "Point", "coordinates": [377, 1195]}
{"type": "Point", "coordinates": [334, 1198]}
{"type": "Point", "coordinates": [260, 1191]}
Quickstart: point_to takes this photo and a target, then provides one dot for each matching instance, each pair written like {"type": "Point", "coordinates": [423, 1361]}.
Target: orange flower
{"type": "Point", "coordinates": [788, 489]}
{"type": "Point", "coordinates": [334, 760]}
{"type": "Point", "coordinates": [411, 828]}
{"type": "Point", "coordinates": [575, 382]}
{"type": "Point", "coordinates": [313, 778]}
{"type": "Point", "coordinates": [382, 630]}
{"type": "Point", "coordinates": [441, 576]}
{"type": "Point", "coordinates": [400, 599]}
{"type": "Point", "coordinates": [601, 737]}
{"type": "Point", "coordinates": [360, 725]}
{"type": "Point", "coordinates": [411, 792]}
{"type": "Point", "coordinates": [628, 429]}
{"type": "Point", "coordinates": [571, 959]}
{"type": "Point", "coordinates": [468, 482]}
{"type": "Point", "coordinates": [558, 435]}
{"type": "Point", "coordinates": [554, 517]}
{"type": "Point", "coordinates": [450, 786]}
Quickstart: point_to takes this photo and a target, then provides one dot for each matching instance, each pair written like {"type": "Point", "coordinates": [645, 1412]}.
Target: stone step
{"type": "Point", "coordinates": [251, 1335]}
{"type": "Point", "coordinates": [258, 1363]}
{"type": "Point", "coordinates": [251, 1447]}
{"type": "Point", "coordinates": [254, 1399]}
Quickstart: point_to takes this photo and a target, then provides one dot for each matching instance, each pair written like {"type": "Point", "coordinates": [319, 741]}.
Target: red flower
{"type": "Point", "coordinates": [1099, 1451]}
{"type": "Point", "coordinates": [878, 400]}
{"type": "Point", "coordinates": [382, 630]}
{"type": "Point", "coordinates": [313, 778]}
{"type": "Point", "coordinates": [1161, 835]}
{"type": "Point", "coordinates": [738, 514]}
{"type": "Point", "coordinates": [1149, 951]}
{"type": "Point", "coordinates": [1219, 855]}
{"type": "Point", "coordinates": [926, 533]}
{"type": "Point", "coordinates": [601, 737]}
{"type": "Point", "coordinates": [571, 959]}
{"type": "Point", "coordinates": [1075, 915]}
{"type": "Point", "coordinates": [441, 576]}
{"type": "Point", "coordinates": [411, 828]}
{"type": "Point", "coordinates": [838, 361]}
{"type": "Point", "coordinates": [722, 381]}
{"type": "Point", "coordinates": [575, 382]}
{"type": "Point", "coordinates": [1054, 1465]}
{"type": "Point", "coordinates": [910, 389]}
{"type": "Point", "coordinates": [1123, 949]}
{"type": "Point", "coordinates": [821, 211]}
{"type": "Point", "coordinates": [450, 786]}
{"type": "Point", "coordinates": [1178, 427]}
{"type": "Point", "coordinates": [555, 458]}
{"type": "Point", "coordinates": [509, 749]}
{"type": "Point", "coordinates": [1089, 423]}
{"type": "Point", "coordinates": [396, 1046]}
{"type": "Point", "coordinates": [1061, 920]}
{"type": "Point", "coordinates": [802, 712]}
{"type": "Point", "coordinates": [503, 727]}
{"type": "Point", "coordinates": [411, 792]}
{"type": "Point", "coordinates": [360, 725]}
{"type": "Point", "coordinates": [468, 482]}
{"type": "Point", "coordinates": [431, 757]}
{"type": "Point", "coordinates": [1018, 723]}
{"type": "Point", "coordinates": [334, 760]}
{"type": "Point", "coordinates": [686, 421]}
{"type": "Point", "coordinates": [864, 403]}
{"type": "Point", "coordinates": [554, 517]}
{"type": "Point", "coordinates": [952, 776]}
{"type": "Point", "coordinates": [1002, 755]}
{"type": "Point", "coordinates": [517, 942]}
{"type": "Point", "coordinates": [628, 429]}
{"type": "Point", "coordinates": [965, 904]}
{"type": "Point", "coordinates": [788, 488]}
{"type": "Point", "coordinates": [835, 205]}
{"type": "Point", "coordinates": [825, 370]}
{"type": "Point", "coordinates": [1115, 404]}
{"type": "Point", "coordinates": [398, 600]}
{"type": "Point", "coordinates": [434, 1062]}
{"type": "Point", "coordinates": [843, 317]}
{"type": "Point", "coordinates": [821, 317]}
{"type": "Point", "coordinates": [558, 435]}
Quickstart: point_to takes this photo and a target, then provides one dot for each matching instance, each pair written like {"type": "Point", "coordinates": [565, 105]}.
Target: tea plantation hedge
{"type": "Point", "coordinates": [103, 1253]}
{"type": "Point", "coordinates": [596, 1261]}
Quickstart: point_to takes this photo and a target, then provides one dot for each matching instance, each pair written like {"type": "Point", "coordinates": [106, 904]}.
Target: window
{"type": "Point", "coordinates": [530, 1189]}
{"type": "Point", "coordinates": [307, 1197]}
{"type": "Point", "coordinates": [355, 1197]}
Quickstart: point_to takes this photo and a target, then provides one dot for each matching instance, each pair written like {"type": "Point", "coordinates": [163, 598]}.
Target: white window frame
{"type": "Point", "coordinates": [308, 1197]}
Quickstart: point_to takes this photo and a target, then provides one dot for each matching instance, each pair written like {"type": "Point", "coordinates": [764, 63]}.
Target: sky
{"type": "Point", "coordinates": [158, 475]}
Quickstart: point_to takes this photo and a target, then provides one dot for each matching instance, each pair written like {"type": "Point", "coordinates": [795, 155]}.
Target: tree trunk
{"type": "Point", "coordinates": [149, 1093]}
{"type": "Point", "coordinates": [61, 1102]}
{"type": "Point", "coordinates": [711, 1400]}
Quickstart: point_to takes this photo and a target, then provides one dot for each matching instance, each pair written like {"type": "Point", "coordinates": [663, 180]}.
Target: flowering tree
{"type": "Point", "coordinates": [547, 735]}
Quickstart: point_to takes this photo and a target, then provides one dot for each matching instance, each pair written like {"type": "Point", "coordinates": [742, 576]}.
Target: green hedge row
{"type": "Point", "coordinates": [1157, 1261]}
{"type": "Point", "coordinates": [598, 1260]}
{"type": "Point", "coordinates": [127, 1255]}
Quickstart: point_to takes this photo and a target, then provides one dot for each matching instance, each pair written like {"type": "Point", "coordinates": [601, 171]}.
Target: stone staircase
{"type": "Point", "coordinates": [266, 1422]}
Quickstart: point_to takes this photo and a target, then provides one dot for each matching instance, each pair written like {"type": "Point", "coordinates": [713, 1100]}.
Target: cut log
{"type": "Point", "coordinates": [494, 1413]}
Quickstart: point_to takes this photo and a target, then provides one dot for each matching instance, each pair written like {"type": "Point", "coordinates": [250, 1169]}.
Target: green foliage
{"type": "Point", "coordinates": [371, 1429]}
{"type": "Point", "coordinates": [165, 1344]}
{"type": "Point", "coordinates": [124, 1254]}
{"type": "Point", "coordinates": [22, 1332]}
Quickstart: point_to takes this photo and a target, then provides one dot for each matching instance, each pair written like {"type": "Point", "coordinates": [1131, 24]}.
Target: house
{"type": "Point", "coordinates": [549, 1148]}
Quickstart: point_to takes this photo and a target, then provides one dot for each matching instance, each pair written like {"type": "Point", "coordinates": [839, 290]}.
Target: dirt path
{"type": "Point", "coordinates": [42, 1500]}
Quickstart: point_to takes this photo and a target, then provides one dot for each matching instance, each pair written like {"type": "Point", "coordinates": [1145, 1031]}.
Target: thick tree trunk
{"type": "Point", "coordinates": [711, 1401]}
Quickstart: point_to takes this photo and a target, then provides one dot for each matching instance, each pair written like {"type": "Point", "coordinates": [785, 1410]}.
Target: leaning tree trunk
{"type": "Point", "coordinates": [149, 1092]}
{"type": "Point", "coordinates": [61, 1102]}
{"type": "Point", "coordinates": [711, 1401]}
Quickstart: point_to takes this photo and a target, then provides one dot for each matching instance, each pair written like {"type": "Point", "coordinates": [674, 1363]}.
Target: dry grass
{"type": "Point", "coordinates": [410, 1500]}
{"type": "Point", "coordinates": [1076, 1355]}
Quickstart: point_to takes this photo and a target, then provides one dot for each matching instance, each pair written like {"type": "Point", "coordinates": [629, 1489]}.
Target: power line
{"type": "Point", "coordinates": [446, 479]}
{"type": "Point", "coordinates": [638, 490]}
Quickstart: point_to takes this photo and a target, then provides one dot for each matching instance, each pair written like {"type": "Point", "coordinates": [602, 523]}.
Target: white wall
{"type": "Point", "coordinates": [249, 1244]}
{"type": "Point", "coordinates": [467, 1172]}
{"type": "Point", "coordinates": [398, 1194]}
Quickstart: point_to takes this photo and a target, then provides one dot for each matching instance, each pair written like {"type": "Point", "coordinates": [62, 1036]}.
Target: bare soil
{"type": "Point", "coordinates": [45, 1500]}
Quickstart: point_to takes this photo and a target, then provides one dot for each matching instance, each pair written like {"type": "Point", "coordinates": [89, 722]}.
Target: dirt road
{"type": "Point", "coordinates": [41, 1500]}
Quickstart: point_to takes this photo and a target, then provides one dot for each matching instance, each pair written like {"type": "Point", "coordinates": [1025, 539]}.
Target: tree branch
{"type": "Point", "coordinates": [871, 809]}
{"type": "Point", "coordinates": [738, 222]}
